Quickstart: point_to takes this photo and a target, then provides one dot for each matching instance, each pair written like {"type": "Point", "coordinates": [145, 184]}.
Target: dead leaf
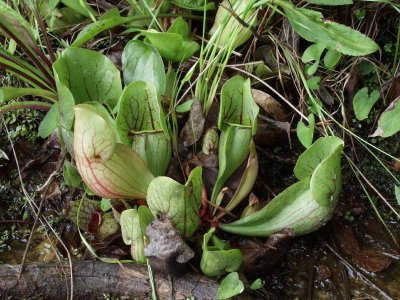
{"type": "Point", "coordinates": [271, 132]}
{"type": "Point", "coordinates": [270, 105]}
{"type": "Point", "coordinates": [167, 251]}
{"type": "Point", "coordinates": [194, 126]}
{"type": "Point", "coordinates": [260, 259]}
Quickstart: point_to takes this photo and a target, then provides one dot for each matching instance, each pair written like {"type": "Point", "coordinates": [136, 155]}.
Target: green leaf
{"type": "Point", "coordinates": [9, 92]}
{"type": "Point", "coordinates": [184, 107]}
{"type": "Point", "coordinates": [105, 204]}
{"type": "Point", "coordinates": [216, 260]}
{"type": "Point", "coordinates": [306, 205]}
{"type": "Point", "coordinates": [179, 203]}
{"type": "Point", "coordinates": [173, 45]}
{"type": "Point", "coordinates": [49, 123]}
{"type": "Point", "coordinates": [71, 175]}
{"type": "Point", "coordinates": [84, 9]}
{"type": "Point", "coordinates": [194, 4]}
{"type": "Point", "coordinates": [313, 53]}
{"type": "Point", "coordinates": [312, 26]}
{"type": "Point", "coordinates": [108, 20]}
{"type": "Point", "coordinates": [388, 123]}
{"type": "Point", "coordinates": [397, 194]}
{"type": "Point", "coordinates": [133, 227]}
{"type": "Point", "coordinates": [230, 286]}
{"type": "Point", "coordinates": [238, 107]}
{"type": "Point", "coordinates": [111, 170]}
{"type": "Point", "coordinates": [331, 59]}
{"type": "Point", "coordinates": [313, 83]}
{"type": "Point", "coordinates": [305, 134]}
{"type": "Point", "coordinates": [247, 181]}
{"type": "Point", "coordinates": [141, 123]}
{"type": "Point", "coordinates": [362, 102]}
{"type": "Point", "coordinates": [330, 2]}
{"type": "Point", "coordinates": [237, 122]}
{"type": "Point", "coordinates": [141, 61]}
{"type": "Point", "coordinates": [257, 284]}
{"type": "Point", "coordinates": [89, 76]}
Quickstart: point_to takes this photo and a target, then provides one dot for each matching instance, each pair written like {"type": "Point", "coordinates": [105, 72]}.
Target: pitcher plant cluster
{"type": "Point", "coordinates": [119, 126]}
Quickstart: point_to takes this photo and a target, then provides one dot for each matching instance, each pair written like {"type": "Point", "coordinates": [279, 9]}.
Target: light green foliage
{"type": "Point", "coordinates": [89, 76]}
{"type": "Point", "coordinates": [49, 122]}
{"type": "Point", "coordinates": [237, 122]}
{"type": "Point", "coordinates": [397, 194]}
{"type": "Point", "coordinates": [305, 134]}
{"type": "Point", "coordinates": [71, 175]}
{"type": "Point", "coordinates": [175, 44]}
{"type": "Point", "coordinates": [141, 123]}
{"type": "Point", "coordinates": [141, 61]}
{"type": "Point", "coordinates": [310, 25]}
{"type": "Point", "coordinates": [218, 259]}
{"type": "Point", "coordinates": [179, 203]}
{"type": "Point", "coordinates": [133, 228]}
{"type": "Point", "coordinates": [257, 284]}
{"type": "Point", "coordinates": [363, 102]}
{"type": "Point", "coordinates": [110, 169]}
{"type": "Point", "coordinates": [230, 286]}
{"type": "Point", "coordinates": [306, 205]}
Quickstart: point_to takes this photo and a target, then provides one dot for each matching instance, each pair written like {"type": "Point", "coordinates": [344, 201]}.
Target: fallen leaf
{"type": "Point", "coordinates": [167, 251]}
{"type": "Point", "coordinates": [270, 105]}
{"type": "Point", "coordinates": [194, 126]}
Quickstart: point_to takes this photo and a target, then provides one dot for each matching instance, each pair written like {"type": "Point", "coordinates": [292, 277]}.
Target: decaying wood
{"type": "Point", "coordinates": [97, 280]}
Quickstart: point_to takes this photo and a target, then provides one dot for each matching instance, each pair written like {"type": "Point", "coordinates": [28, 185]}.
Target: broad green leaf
{"type": "Point", "coordinates": [363, 102]}
{"type": "Point", "coordinates": [229, 30]}
{"type": "Point", "coordinates": [194, 4]}
{"type": "Point", "coordinates": [9, 92]}
{"type": "Point", "coordinates": [179, 203]}
{"type": "Point", "coordinates": [331, 58]}
{"type": "Point", "coordinates": [133, 227]}
{"type": "Point", "coordinates": [397, 194]}
{"type": "Point", "coordinates": [89, 75]}
{"type": "Point", "coordinates": [237, 122]}
{"type": "Point", "coordinates": [141, 123]}
{"type": "Point", "coordinates": [388, 123]}
{"type": "Point", "coordinates": [216, 260]}
{"type": "Point", "coordinates": [71, 175]}
{"type": "Point", "coordinates": [313, 156]}
{"type": "Point", "coordinates": [305, 134]}
{"type": "Point", "coordinates": [105, 204]}
{"type": "Point", "coordinates": [141, 61]}
{"type": "Point", "coordinates": [230, 286]}
{"type": "Point", "coordinates": [111, 170]}
{"type": "Point", "coordinates": [175, 44]}
{"type": "Point", "coordinates": [313, 53]}
{"type": "Point", "coordinates": [330, 2]}
{"type": "Point", "coordinates": [238, 107]}
{"type": "Point", "coordinates": [306, 205]}
{"type": "Point", "coordinates": [312, 26]}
